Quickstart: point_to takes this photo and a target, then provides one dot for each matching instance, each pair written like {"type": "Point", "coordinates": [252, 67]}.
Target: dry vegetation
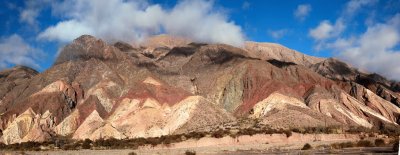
{"type": "Point", "coordinates": [66, 143]}
{"type": "Point", "coordinates": [306, 147]}
{"type": "Point", "coordinates": [396, 145]}
{"type": "Point", "coordinates": [366, 143]}
{"type": "Point", "coordinates": [188, 152]}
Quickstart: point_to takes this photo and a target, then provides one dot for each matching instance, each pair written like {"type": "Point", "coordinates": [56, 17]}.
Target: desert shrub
{"type": "Point", "coordinates": [171, 139]}
{"type": "Point", "coordinates": [86, 144]}
{"type": "Point", "coordinates": [333, 129]}
{"type": "Point", "coordinates": [71, 146]}
{"type": "Point", "coordinates": [29, 146]}
{"type": "Point", "coordinates": [364, 143]}
{"type": "Point", "coordinates": [346, 145]}
{"type": "Point", "coordinates": [3, 146]}
{"type": "Point", "coordinates": [111, 143]}
{"type": "Point", "coordinates": [196, 135]}
{"type": "Point", "coordinates": [132, 153]}
{"type": "Point", "coordinates": [379, 142]}
{"type": "Point", "coordinates": [390, 130]}
{"type": "Point", "coordinates": [313, 130]}
{"type": "Point", "coordinates": [288, 133]}
{"type": "Point", "coordinates": [188, 152]}
{"type": "Point", "coordinates": [297, 130]}
{"type": "Point", "coordinates": [342, 145]}
{"type": "Point", "coordinates": [218, 134]}
{"type": "Point", "coordinates": [396, 146]}
{"type": "Point", "coordinates": [25, 146]}
{"type": "Point", "coordinates": [357, 130]}
{"type": "Point", "coordinates": [269, 131]}
{"type": "Point", "coordinates": [306, 147]}
{"type": "Point", "coordinates": [319, 129]}
{"type": "Point", "coordinates": [247, 131]}
{"type": "Point", "coordinates": [153, 141]}
{"type": "Point", "coordinates": [137, 141]}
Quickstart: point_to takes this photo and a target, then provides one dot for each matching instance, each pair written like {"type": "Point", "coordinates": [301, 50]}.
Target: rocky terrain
{"type": "Point", "coordinates": [169, 85]}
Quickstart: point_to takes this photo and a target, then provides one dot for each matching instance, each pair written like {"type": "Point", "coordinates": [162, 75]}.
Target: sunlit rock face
{"type": "Point", "coordinates": [170, 85]}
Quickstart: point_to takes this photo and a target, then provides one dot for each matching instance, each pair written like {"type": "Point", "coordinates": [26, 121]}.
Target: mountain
{"type": "Point", "coordinates": [170, 85]}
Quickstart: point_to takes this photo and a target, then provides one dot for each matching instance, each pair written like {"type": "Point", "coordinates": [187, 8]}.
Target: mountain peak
{"type": "Point", "coordinates": [165, 40]}
{"type": "Point", "coordinates": [87, 47]}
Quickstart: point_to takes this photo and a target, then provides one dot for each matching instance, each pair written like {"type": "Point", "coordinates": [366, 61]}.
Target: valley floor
{"type": "Point", "coordinates": [357, 150]}
{"type": "Point", "coordinates": [256, 144]}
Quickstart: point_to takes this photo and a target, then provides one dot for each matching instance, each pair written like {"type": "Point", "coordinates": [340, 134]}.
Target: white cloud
{"type": "Point", "coordinates": [134, 20]}
{"type": "Point", "coordinates": [277, 34]}
{"type": "Point", "coordinates": [354, 6]}
{"type": "Point", "coordinates": [196, 20]}
{"type": "Point", "coordinates": [245, 5]}
{"type": "Point", "coordinates": [31, 11]}
{"type": "Point", "coordinates": [55, 33]}
{"type": "Point", "coordinates": [107, 19]}
{"type": "Point", "coordinates": [15, 51]}
{"type": "Point", "coordinates": [326, 30]}
{"type": "Point", "coordinates": [302, 11]}
{"type": "Point", "coordinates": [29, 16]}
{"type": "Point", "coordinates": [374, 50]}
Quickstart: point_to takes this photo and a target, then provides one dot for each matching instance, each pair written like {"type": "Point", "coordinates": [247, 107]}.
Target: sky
{"type": "Point", "coordinates": [364, 33]}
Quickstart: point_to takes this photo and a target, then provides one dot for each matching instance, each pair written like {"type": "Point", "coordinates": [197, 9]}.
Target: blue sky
{"type": "Point", "coordinates": [362, 32]}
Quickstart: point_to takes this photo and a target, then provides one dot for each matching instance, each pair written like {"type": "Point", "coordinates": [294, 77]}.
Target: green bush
{"type": "Point", "coordinates": [306, 147]}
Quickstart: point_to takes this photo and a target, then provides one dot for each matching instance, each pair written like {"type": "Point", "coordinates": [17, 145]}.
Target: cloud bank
{"type": "Point", "coordinates": [373, 50]}
{"type": "Point", "coordinates": [15, 51]}
{"type": "Point", "coordinates": [135, 20]}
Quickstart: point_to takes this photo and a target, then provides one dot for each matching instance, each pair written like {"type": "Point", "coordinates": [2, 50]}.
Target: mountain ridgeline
{"type": "Point", "coordinates": [169, 85]}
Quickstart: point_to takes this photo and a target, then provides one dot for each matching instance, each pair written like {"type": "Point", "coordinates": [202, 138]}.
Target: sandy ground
{"type": "Point", "coordinates": [354, 151]}
{"type": "Point", "coordinates": [256, 144]}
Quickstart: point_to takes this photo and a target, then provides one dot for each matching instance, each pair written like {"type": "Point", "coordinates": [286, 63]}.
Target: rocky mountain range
{"type": "Point", "coordinates": [170, 85]}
